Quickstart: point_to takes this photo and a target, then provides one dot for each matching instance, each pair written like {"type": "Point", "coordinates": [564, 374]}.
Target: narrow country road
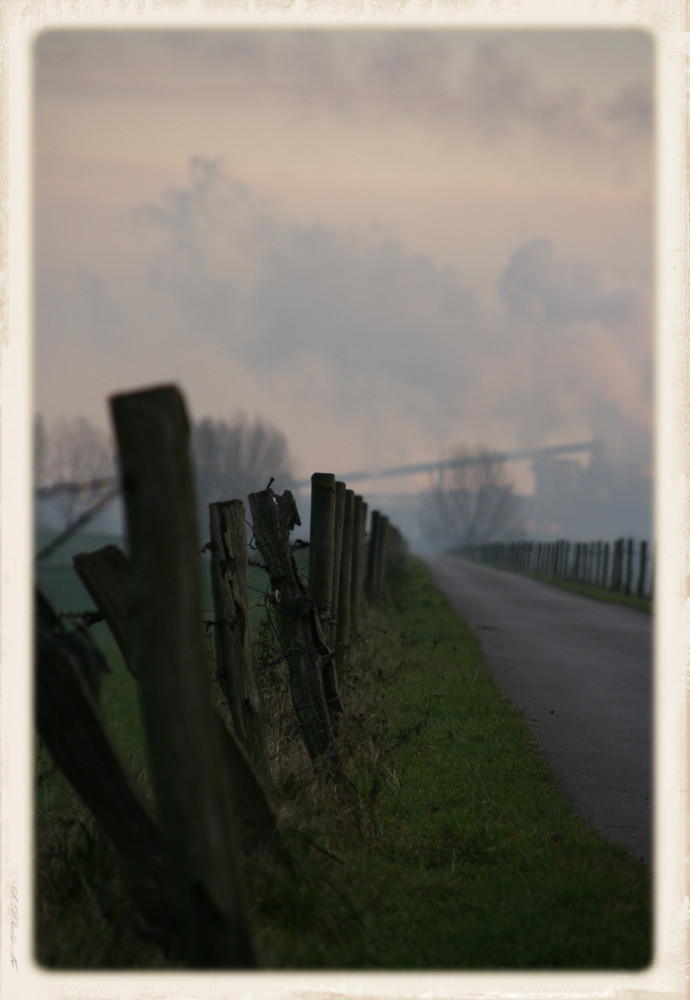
{"type": "Point", "coordinates": [581, 671]}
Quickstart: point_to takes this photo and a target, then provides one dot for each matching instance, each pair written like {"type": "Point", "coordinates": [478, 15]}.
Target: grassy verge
{"type": "Point", "coordinates": [452, 848]}
{"type": "Point", "coordinates": [443, 845]}
{"type": "Point", "coordinates": [585, 589]}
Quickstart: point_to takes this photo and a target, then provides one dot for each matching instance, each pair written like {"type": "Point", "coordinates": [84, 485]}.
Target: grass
{"type": "Point", "coordinates": [444, 843]}
{"type": "Point", "coordinates": [585, 589]}
{"type": "Point", "coordinates": [453, 848]}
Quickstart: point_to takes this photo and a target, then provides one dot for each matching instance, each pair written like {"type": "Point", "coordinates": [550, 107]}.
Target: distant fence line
{"type": "Point", "coordinates": [624, 566]}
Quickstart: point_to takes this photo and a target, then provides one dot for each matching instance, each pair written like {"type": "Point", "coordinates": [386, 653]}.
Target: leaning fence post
{"type": "Point", "coordinates": [232, 630]}
{"type": "Point", "coordinates": [193, 791]}
{"type": "Point", "coordinates": [107, 575]}
{"type": "Point", "coordinates": [299, 627]}
{"type": "Point", "coordinates": [70, 721]}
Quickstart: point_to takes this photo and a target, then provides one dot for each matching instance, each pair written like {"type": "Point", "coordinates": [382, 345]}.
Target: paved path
{"type": "Point", "coordinates": [581, 671]}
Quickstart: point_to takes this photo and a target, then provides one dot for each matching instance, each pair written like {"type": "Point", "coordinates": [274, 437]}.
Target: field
{"type": "Point", "coordinates": [445, 845]}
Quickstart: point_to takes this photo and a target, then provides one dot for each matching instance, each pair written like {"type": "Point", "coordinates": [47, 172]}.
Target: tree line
{"type": "Point", "coordinates": [236, 457]}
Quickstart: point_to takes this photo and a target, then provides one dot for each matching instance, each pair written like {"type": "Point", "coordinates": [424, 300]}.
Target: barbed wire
{"type": "Point", "coordinates": [88, 486]}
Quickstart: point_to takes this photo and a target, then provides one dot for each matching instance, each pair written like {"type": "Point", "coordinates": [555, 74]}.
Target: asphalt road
{"type": "Point", "coordinates": [581, 671]}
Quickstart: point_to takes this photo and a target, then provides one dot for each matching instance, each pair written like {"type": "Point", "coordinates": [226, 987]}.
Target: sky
{"type": "Point", "coordinates": [384, 242]}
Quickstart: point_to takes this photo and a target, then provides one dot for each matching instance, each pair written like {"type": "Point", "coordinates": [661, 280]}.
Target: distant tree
{"type": "Point", "coordinates": [233, 460]}
{"type": "Point", "coordinates": [72, 454]}
{"type": "Point", "coordinates": [473, 502]}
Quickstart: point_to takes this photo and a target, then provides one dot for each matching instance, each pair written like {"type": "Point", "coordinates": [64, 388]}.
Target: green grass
{"type": "Point", "coordinates": [454, 848]}
{"type": "Point", "coordinates": [585, 589]}
{"type": "Point", "coordinates": [444, 844]}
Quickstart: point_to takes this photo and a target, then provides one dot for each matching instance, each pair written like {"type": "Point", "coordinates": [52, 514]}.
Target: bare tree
{"type": "Point", "coordinates": [473, 502]}
{"type": "Point", "coordinates": [233, 460]}
{"type": "Point", "coordinates": [73, 456]}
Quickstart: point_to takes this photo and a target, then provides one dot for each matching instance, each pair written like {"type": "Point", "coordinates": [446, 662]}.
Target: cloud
{"type": "Point", "coordinates": [278, 294]}
{"type": "Point", "coordinates": [538, 286]}
{"type": "Point", "coordinates": [328, 328]}
{"type": "Point", "coordinates": [586, 335]}
{"type": "Point", "coordinates": [631, 109]}
{"type": "Point", "coordinates": [454, 82]}
{"type": "Point", "coordinates": [401, 334]}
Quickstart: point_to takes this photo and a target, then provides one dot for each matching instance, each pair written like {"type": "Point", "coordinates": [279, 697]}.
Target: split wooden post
{"type": "Point", "coordinates": [299, 627]}
{"type": "Point", "coordinates": [342, 637]}
{"type": "Point", "coordinates": [107, 576]}
{"type": "Point", "coordinates": [193, 790]}
{"type": "Point", "coordinates": [69, 720]}
{"type": "Point", "coordinates": [232, 631]}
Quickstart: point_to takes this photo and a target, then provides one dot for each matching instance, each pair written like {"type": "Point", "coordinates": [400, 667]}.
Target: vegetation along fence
{"type": "Point", "coordinates": [624, 566]}
{"type": "Point", "coordinates": [210, 769]}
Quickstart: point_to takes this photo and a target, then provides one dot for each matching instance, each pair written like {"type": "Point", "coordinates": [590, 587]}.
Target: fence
{"type": "Point", "coordinates": [210, 773]}
{"type": "Point", "coordinates": [623, 566]}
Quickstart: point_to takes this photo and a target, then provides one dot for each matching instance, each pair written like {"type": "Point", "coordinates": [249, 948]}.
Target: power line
{"type": "Point", "coordinates": [408, 470]}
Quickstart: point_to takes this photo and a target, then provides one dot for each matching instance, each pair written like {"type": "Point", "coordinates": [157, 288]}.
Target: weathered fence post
{"type": "Point", "coordinates": [356, 573]}
{"type": "Point", "coordinates": [193, 791]}
{"type": "Point", "coordinates": [617, 574]}
{"type": "Point", "coordinates": [372, 553]}
{"type": "Point", "coordinates": [337, 556]}
{"type": "Point", "coordinates": [299, 627]}
{"type": "Point", "coordinates": [69, 720]}
{"type": "Point", "coordinates": [107, 575]}
{"type": "Point", "coordinates": [605, 565]}
{"type": "Point", "coordinates": [629, 566]}
{"type": "Point", "coordinates": [232, 631]}
{"type": "Point", "coordinates": [642, 570]}
{"type": "Point", "coordinates": [381, 554]}
{"type": "Point", "coordinates": [342, 634]}
{"type": "Point", "coordinates": [321, 543]}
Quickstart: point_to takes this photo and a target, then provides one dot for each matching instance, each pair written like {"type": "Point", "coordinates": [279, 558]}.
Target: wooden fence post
{"type": "Point", "coordinates": [342, 635]}
{"type": "Point", "coordinates": [337, 556]}
{"type": "Point", "coordinates": [372, 553]}
{"type": "Point", "coordinates": [232, 631]}
{"type": "Point", "coordinates": [299, 627]}
{"type": "Point", "coordinates": [194, 794]}
{"type": "Point", "coordinates": [642, 570]}
{"type": "Point", "coordinates": [629, 566]}
{"type": "Point", "coordinates": [617, 574]}
{"type": "Point", "coordinates": [321, 544]}
{"type": "Point", "coordinates": [605, 565]}
{"type": "Point", "coordinates": [107, 575]}
{"type": "Point", "coordinates": [381, 554]}
{"type": "Point", "coordinates": [69, 720]}
{"type": "Point", "coordinates": [356, 573]}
